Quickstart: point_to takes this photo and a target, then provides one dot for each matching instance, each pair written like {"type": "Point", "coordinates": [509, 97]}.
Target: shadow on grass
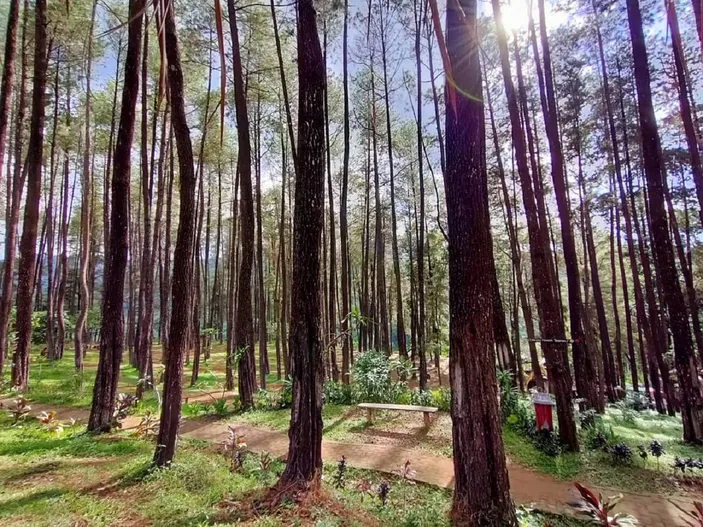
{"type": "Point", "coordinates": [19, 505]}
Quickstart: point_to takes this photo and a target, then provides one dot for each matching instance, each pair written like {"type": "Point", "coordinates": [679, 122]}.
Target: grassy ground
{"type": "Point", "coordinates": [77, 479]}
{"type": "Point", "coordinates": [595, 467]}
{"type": "Point", "coordinates": [56, 384]}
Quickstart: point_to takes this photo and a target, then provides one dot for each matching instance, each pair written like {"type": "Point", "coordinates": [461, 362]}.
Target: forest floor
{"type": "Point", "coordinates": [652, 492]}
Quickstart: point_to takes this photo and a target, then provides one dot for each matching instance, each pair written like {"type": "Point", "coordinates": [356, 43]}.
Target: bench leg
{"type": "Point", "coordinates": [369, 415]}
{"type": "Point", "coordinates": [428, 418]}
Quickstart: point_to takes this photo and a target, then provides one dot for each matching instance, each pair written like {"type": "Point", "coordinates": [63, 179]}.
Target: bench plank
{"type": "Point", "coordinates": [399, 407]}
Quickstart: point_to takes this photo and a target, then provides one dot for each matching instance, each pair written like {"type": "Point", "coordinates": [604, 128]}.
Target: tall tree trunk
{"type": "Point", "coordinates": [551, 322]}
{"type": "Point", "coordinates": [50, 239]}
{"type": "Point", "coordinates": [263, 330]}
{"type": "Point", "coordinates": [183, 261]}
{"type": "Point", "coordinates": [690, 395]}
{"type": "Point", "coordinates": [343, 199]}
{"type": "Point", "coordinates": [86, 183]}
{"type": "Point", "coordinates": [516, 254]}
{"type": "Point", "coordinates": [418, 6]}
{"type": "Point", "coordinates": [25, 279]}
{"type": "Point", "coordinates": [584, 368]}
{"type": "Point", "coordinates": [477, 442]}
{"type": "Point", "coordinates": [108, 162]}
{"type": "Point", "coordinates": [112, 328]}
{"type": "Point", "coordinates": [304, 463]}
{"type": "Point", "coordinates": [18, 177]}
{"type": "Point", "coordinates": [8, 73]}
{"type": "Point", "coordinates": [243, 344]}
{"type": "Point", "coordinates": [283, 314]}
{"type": "Point", "coordinates": [400, 322]}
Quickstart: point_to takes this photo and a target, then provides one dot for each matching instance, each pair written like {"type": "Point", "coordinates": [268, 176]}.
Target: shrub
{"type": "Point", "coordinates": [636, 401]}
{"type": "Point", "coordinates": [622, 454]}
{"type": "Point", "coordinates": [442, 399]}
{"type": "Point", "coordinates": [420, 398]}
{"type": "Point", "coordinates": [372, 382]}
{"type": "Point", "coordinates": [628, 414]}
{"type": "Point", "coordinates": [589, 418]}
{"type": "Point", "coordinates": [546, 441]}
{"type": "Point", "coordinates": [599, 436]}
{"type": "Point", "coordinates": [337, 393]}
{"type": "Point", "coordinates": [285, 399]}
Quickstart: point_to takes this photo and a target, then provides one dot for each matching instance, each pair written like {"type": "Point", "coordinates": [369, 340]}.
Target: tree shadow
{"type": "Point", "coordinates": [8, 508]}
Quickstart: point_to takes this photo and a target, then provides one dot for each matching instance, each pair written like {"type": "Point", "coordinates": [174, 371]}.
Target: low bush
{"type": "Point", "coordinates": [371, 378]}
{"type": "Point", "coordinates": [639, 402]}
{"type": "Point", "coordinates": [337, 393]}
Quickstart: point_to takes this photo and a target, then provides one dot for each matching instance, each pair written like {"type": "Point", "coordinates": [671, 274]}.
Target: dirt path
{"type": "Point", "coordinates": [527, 487]}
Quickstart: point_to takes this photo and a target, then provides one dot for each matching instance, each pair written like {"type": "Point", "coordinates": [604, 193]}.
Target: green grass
{"type": "Point", "coordinates": [80, 479]}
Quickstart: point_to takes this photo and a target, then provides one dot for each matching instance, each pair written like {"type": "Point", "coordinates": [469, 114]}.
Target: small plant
{"type": "Point", "coordinates": [656, 449]}
{"type": "Point", "coordinates": [364, 487]}
{"type": "Point", "coordinates": [687, 464]}
{"type": "Point", "coordinates": [148, 426]}
{"type": "Point", "coordinates": [220, 406]}
{"type": "Point", "coordinates": [546, 441]}
{"type": "Point", "coordinates": [20, 409]}
{"type": "Point", "coordinates": [285, 396]}
{"type": "Point", "coordinates": [123, 403]}
{"type": "Point", "coordinates": [589, 418]}
{"type": "Point", "coordinates": [338, 479]}
{"type": "Point", "coordinates": [406, 473]}
{"type": "Point", "coordinates": [696, 515]}
{"type": "Point", "coordinates": [50, 422]}
{"type": "Point", "coordinates": [621, 453]}
{"type": "Point", "coordinates": [598, 509]}
{"type": "Point", "coordinates": [265, 460]}
{"type": "Point", "coordinates": [642, 452]}
{"type": "Point", "coordinates": [234, 447]}
{"type": "Point", "coordinates": [382, 492]}
{"type": "Point", "coordinates": [627, 413]}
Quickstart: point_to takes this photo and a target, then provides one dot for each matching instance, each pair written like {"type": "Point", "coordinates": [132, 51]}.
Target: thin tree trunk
{"type": "Point", "coordinates": [400, 322]}
{"type": "Point", "coordinates": [112, 328]}
{"type": "Point", "coordinates": [85, 207]}
{"type": "Point", "coordinates": [690, 396]}
{"type": "Point", "coordinates": [243, 343]}
{"type": "Point", "coordinates": [8, 73]}
{"type": "Point", "coordinates": [422, 352]}
{"type": "Point", "coordinates": [25, 279]}
{"type": "Point", "coordinates": [183, 261]}
{"type": "Point", "coordinates": [584, 368]}
{"type": "Point", "coordinates": [18, 177]}
{"type": "Point", "coordinates": [551, 322]}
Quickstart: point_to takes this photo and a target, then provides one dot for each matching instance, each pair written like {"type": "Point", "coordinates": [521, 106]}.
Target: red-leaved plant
{"type": "Point", "coordinates": [598, 509]}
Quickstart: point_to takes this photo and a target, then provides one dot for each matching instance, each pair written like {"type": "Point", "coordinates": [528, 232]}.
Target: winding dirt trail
{"type": "Point", "coordinates": [527, 487]}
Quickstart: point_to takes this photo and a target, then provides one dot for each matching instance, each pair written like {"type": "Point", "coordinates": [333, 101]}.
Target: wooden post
{"type": "Point", "coordinates": [428, 418]}
{"type": "Point", "coordinates": [369, 415]}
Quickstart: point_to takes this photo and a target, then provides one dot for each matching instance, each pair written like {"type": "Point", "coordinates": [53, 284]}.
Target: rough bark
{"type": "Point", "coordinates": [25, 278]}
{"type": "Point", "coordinates": [112, 328]}
{"type": "Point", "coordinates": [8, 73]}
{"type": "Point", "coordinates": [86, 183]}
{"type": "Point", "coordinates": [482, 488]}
{"type": "Point", "coordinates": [18, 177]}
{"type": "Point", "coordinates": [243, 343]}
{"type": "Point", "coordinates": [183, 261]}
{"type": "Point", "coordinates": [304, 462]}
{"type": "Point", "coordinates": [690, 396]}
{"type": "Point", "coordinates": [551, 322]}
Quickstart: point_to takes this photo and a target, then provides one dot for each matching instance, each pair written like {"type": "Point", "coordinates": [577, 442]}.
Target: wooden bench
{"type": "Point", "coordinates": [427, 411]}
